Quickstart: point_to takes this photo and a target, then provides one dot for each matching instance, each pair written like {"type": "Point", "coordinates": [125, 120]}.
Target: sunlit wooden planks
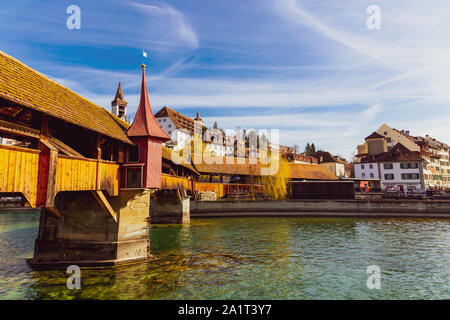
{"type": "Point", "coordinates": [209, 186]}
{"type": "Point", "coordinates": [76, 174]}
{"type": "Point", "coordinates": [172, 182]}
{"type": "Point", "coordinates": [108, 177]}
{"type": "Point", "coordinates": [19, 171]}
{"type": "Point", "coordinates": [222, 189]}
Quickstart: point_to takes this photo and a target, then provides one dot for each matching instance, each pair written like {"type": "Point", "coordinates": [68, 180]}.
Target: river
{"type": "Point", "coordinates": [250, 258]}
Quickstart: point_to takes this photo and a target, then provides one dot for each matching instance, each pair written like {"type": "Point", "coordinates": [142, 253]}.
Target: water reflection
{"type": "Point", "coordinates": [251, 258]}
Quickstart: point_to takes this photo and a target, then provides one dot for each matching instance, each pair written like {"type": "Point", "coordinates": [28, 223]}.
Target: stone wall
{"type": "Point", "coordinates": [169, 206]}
{"type": "Point", "coordinates": [355, 208]}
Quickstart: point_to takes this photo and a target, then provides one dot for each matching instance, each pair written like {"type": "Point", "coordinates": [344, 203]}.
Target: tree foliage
{"type": "Point", "coordinates": [310, 149]}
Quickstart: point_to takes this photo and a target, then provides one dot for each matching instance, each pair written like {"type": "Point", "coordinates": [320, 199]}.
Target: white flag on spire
{"type": "Point", "coordinates": [144, 54]}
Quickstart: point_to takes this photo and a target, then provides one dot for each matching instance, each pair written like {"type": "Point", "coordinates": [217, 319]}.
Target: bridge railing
{"type": "Point", "coordinates": [231, 190]}
{"type": "Point", "coordinates": [79, 174]}
{"type": "Point", "coordinates": [228, 190]}
{"type": "Point", "coordinates": [29, 172]}
{"type": "Point", "coordinates": [174, 182]}
{"type": "Point", "coordinates": [19, 169]}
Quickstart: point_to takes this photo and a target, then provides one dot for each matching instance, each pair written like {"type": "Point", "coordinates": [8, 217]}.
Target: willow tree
{"type": "Point", "coordinates": [276, 183]}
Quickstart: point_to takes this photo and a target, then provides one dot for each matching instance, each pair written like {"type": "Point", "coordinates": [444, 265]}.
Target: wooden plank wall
{"type": "Point", "coordinates": [173, 182]}
{"type": "Point", "coordinates": [221, 189]}
{"type": "Point", "coordinates": [108, 177]}
{"type": "Point", "coordinates": [19, 171]}
{"type": "Point", "coordinates": [76, 174]}
{"type": "Point", "coordinates": [210, 186]}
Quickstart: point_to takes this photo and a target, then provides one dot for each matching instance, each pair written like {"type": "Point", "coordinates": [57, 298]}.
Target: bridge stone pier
{"type": "Point", "coordinates": [169, 206]}
{"type": "Point", "coordinates": [91, 173]}
{"type": "Point", "coordinates": [85, 235]}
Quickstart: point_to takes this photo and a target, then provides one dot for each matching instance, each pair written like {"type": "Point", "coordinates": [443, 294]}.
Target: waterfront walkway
{"type": "Point", "coordinates": [325, 208]}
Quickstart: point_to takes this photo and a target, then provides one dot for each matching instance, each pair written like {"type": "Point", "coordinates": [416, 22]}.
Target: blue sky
{"type": "Point", "coordinates": [309, 68]}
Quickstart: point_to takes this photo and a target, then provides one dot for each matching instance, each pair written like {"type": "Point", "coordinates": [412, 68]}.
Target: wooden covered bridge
{"type": "Point", "coordinates": [92, 173]}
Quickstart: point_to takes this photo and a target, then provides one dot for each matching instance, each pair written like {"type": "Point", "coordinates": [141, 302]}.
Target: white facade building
{"type": "Point", "coordinates": [399, 169]}
{"type": "Point", "coordinates": [179, 127]}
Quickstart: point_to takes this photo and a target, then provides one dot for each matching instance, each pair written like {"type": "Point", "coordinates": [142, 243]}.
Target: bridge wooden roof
{"type": "Point", "coordinates": [233, 167]}
{"type": "Point", "coordinates": [310, 172]}
{"type": "Point", "coordinates": [297, 170]}
{"type": "Point", "coordinates": [167, 154]}
{"type": "Point", "coordinates": [25, 86]}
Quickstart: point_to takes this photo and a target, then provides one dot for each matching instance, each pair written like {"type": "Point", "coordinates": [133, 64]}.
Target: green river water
{"type": "Point", "coordinates": [250, 258]}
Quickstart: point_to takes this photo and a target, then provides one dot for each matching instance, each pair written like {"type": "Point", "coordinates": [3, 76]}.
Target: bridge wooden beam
{"type": "Point", "coordinates": [17, 129]}
{"type": "Point", "coordinates": [104, 203]}
{"type": "Point", "coordinates": [48, 158]}
{"type": "Point", "coordinates": [46, 190]}
{"type": "Point", "coordinates": [54, 211]}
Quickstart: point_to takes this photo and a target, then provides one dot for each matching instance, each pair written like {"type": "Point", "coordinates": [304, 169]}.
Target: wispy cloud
{"type": "Point", "coordinates": [308, 67]}
{"type": "Point", "coordinates": [175, 20]}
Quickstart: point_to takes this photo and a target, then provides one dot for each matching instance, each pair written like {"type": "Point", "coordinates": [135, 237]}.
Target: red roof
{"type": "Point", "coordinates": [144, 123]}
{"type": "Point", "coordinates": [179, 120]}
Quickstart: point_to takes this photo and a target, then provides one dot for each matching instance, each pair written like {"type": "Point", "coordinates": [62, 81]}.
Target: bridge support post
{"type": "Point", "coordinates": [86, 234]}
{"type": "Point", "coordinates": [170, 206]}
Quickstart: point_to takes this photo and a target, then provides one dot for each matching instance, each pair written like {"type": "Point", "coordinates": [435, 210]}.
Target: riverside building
{"type": "Point", "coordinates": [434, 155]}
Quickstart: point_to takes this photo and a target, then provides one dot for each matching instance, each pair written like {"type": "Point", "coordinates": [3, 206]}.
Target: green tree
{"type": "Point", "coordinates": [310, 149]}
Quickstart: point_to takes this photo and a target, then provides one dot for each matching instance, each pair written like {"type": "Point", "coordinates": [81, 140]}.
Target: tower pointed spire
{"type": "Point", "coordinates": [197, 118]}
{"type": "Point", "coordinates": [144, 123]}
{"type": "Point", "coordinates": [119, 94]}
{"type": "Point", "coordinates": [119, 105]}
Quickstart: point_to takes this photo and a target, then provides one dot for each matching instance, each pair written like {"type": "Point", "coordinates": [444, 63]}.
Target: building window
{"type": "Point", "coordinates": [363, 175]}
{"type": "Point", "coordinates": [371, 166]}
{"type": "Point", "coordinates": [371, 175]}
{"type": "Point", "coordinates": [388, 166]}
{"type": "Point", "coordinates": [409, 165]}
{"type": "Point", "coordinates": [134, 177]}
{"type": "Point", "coordinates": [362, 166]}
{"type": "Point", "coordinates": [389, 140]}
{"type": "Point", "coordinates": [164, 120]}
{"type": "Point", "coordinates": [410, 176]}
{"type": "Point", "coordinates": [385, 133]}
{"type": "Point", "coordinates": [389, 176]}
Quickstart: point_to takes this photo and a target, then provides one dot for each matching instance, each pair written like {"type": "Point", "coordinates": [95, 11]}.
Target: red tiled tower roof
{"type": "Point", "coordinates": [144, 123]}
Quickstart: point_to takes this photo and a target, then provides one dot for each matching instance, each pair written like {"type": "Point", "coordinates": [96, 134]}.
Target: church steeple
{"type": "Point", "coordinates": [119, 105]}
{"type": "Point", "coordinates": [197, 118]}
